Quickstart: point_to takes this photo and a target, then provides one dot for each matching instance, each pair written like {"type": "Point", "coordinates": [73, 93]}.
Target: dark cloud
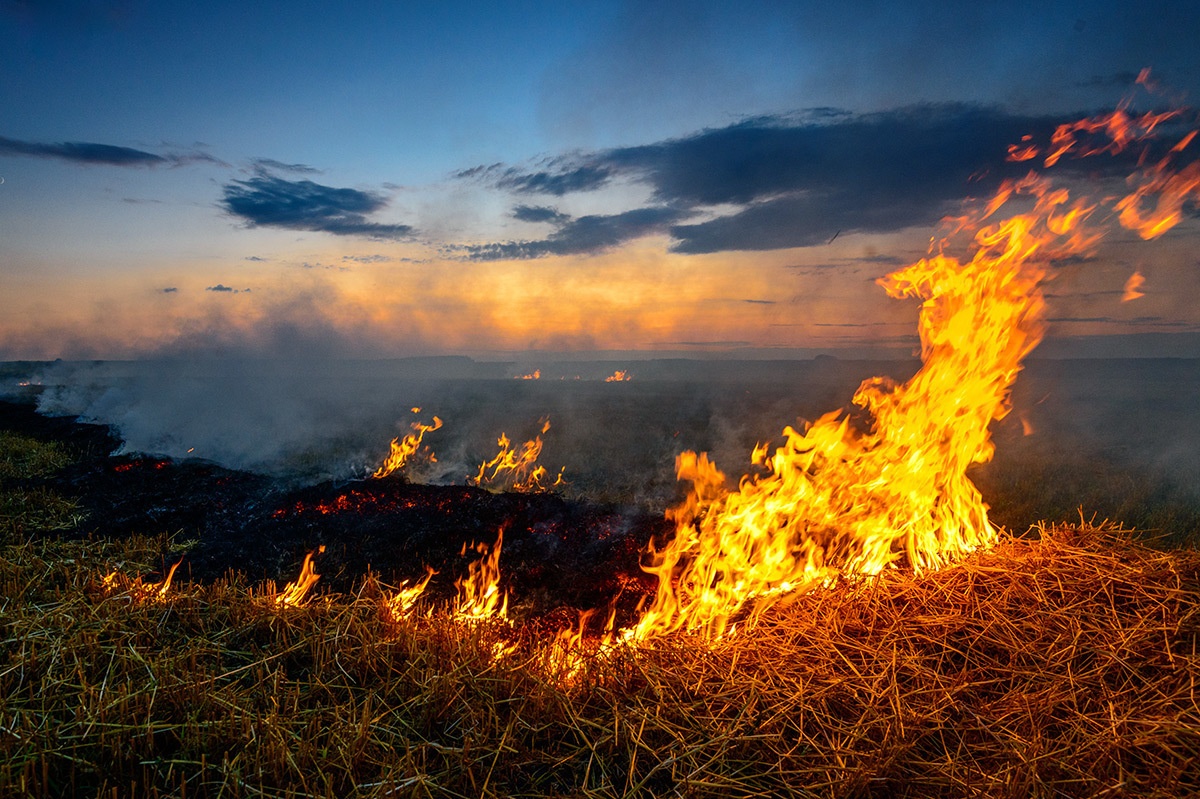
{"type": "Point", "coordinates": [760, 302]}
{"type": "Point", "coordinates": [82, 152]}
{"type": "Point", "coordinates": [269, 201]}
{"type": "Point", "coordinates": [263, 164]}
{"type": "Point", "coordinates": [801, 180]}
{"type": "Point", "coordinates": [255, 258]}
{"type": "Point", "coordinates": [570, 178]}
{"type": "Point", "coordinates": [367, 259]}
{"type": "Point", "coordinates": [538, 213]}
{"type": "Point", "coordinates": [169, 290]}
{"type": "Point", "coordinates": [586, 234]}
{"type": "Point", "coordinates": [220, 288]}
{"type": "Point", "coordinates": [101, 154]}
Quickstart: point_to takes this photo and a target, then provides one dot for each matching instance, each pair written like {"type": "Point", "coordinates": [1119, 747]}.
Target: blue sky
{"type": "Point", "coordinates": [395, 179]}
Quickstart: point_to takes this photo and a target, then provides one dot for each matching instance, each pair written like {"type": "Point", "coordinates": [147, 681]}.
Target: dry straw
{"type": "Point", "coordinates": [1065, 666]}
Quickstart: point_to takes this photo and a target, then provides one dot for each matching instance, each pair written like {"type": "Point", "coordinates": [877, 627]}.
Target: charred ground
{"type": "Point", "coordinates": [556, 552]}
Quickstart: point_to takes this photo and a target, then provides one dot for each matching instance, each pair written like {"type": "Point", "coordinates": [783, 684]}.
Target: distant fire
{"type": "Point", "coordinates": [516, 469]}
{"type": "Point", "coordinates": [406, 449]}
{"type": "Point", "coordinates": [536, 374]}
{"type": "Point", "coordinates": [1133, 287]}
{"type": "Point", "coordinates": [618, 376]}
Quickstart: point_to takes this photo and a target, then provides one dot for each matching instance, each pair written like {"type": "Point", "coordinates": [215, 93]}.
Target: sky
{"type": "Point", "coordinates": [377, 180]}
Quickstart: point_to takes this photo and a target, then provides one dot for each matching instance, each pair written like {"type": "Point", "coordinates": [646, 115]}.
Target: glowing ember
{"type": "Point", "coordinates": [618, 376]}
{"type": "Point", "coordinates": [516, 470]}
{"type": "Point", "coordinates": [835, 500]}
{"type": "Point", "coordinates": [1133, 287]}
{"type": "Point", "coordinates": [399, 603]}
{"type": "Point", "coordinates": [479, 595]}
{"type": "Point", "coordinates": [403, 450]}
{"type": "Point", "coordinates": [293, 594]}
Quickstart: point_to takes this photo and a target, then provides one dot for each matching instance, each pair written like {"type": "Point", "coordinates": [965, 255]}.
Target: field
{"type": "Point", "coordinates": [1062, 663]}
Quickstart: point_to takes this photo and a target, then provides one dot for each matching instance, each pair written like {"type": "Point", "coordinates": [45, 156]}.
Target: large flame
{"type": "Point", "coordinates": [516, 469]}
{"type": "Point", "coordinates": [841, 498]}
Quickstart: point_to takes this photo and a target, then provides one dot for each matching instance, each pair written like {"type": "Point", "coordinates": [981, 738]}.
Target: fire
{"type": "Point", "coordinates": [479, 594]}
{"type": "Point", "coordinates": [1133, 287]}
{"type": "Point", "coordinates": [137, 590]}
{"type": "Point", "coordinates": [399, 603]}
{"type": "Point", "coordinates": [405, 449]}
{"type": "Point", "coordinates": [619, 376]}
{"type": "Point", "coordinates": [536, 374]}
{"type": "Point", "coordinates": [293, 594]}
{"type": "Point", "coordinates": [516, 470]}
{"type": "Point", "coordinates": [843, 499]}
{"type": "Point", "coordinates": [569, 651]}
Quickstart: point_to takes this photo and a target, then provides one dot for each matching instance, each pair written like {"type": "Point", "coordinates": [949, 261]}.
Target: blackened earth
{"type": "Point", "coordinates": [556, 552]}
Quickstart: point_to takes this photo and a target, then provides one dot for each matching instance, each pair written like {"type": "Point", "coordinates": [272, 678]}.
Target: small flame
{"type": "Point", "coordinates": [1133, 286]}
{"type": "Point", "coordinates": [479, 594]}
{"type": "Point", "coordinates": [619, 376]}
{"type": "Point", "coordinates": [403, 450]}
{"type": "Point", "coordinates": [516, 470]}
{"type": "Point", "coordinates": [536, 374]}
{"type": "Point", "coordinates": [136, 589]}
{"type": "Point", "coordinates": [569, 651]}
{"type": "Point", "coordinates": [293, 594]}
{"type": "Point", "coordinates": [398, 604]}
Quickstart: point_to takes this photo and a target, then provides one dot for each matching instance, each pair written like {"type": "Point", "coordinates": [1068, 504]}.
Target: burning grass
{"type": "Point", "coordinates": [1064, 666]}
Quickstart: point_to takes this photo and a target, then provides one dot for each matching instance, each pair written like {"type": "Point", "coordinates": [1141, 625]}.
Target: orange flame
{"type": "Point", "coordinates": [516, 470]}
{"type": "Point", "coordinates": [402, 450]}
{"type": "Point", "coordinates": [536, 374]}
{"type": "Point", "coordinates": [619, 376]}
{"type": "Point", "coordinates": [1133, 286]}
{"type": "Point", "coordinates": [835, 500]}
{"type": "Point", "coordinates": [137, 590]}
{"type": "Point", "coordinates": [569, 651]}
{"type": "Point", "coordinates": [399, 603]}
{"type": "Point", "coordinates": [479, 594]}
{"type": "Point", "coordinates": [293, 594]}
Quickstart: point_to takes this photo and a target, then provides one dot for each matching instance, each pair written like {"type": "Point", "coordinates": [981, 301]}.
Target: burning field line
{"type": "Point", "coordinates": [1062, 667]}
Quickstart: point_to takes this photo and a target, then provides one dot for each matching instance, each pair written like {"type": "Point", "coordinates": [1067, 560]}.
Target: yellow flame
{"type": "Point", "coordinates": [402, 450]}
{"type": "Point", "coordinates": [479, 594]}
{"type": "Point", "coordinates": [848, 499]}
{"type": "Point", "coordinates": [1133, 287]}
{"type": "Point", "coordinates": [294, 593]}
{"type": "Point", "coordinates": [516, 469]}
{"type": "Point", "coordinates": [619, 376]}
{"type": "Point", "coordinates": [136, 589]}
{"type": "Point", "coordinates": [396, 605]}
{"type": "Point", "coordinates": [569, 651]}
{"type": "Point", "coordinates": [536, 374]}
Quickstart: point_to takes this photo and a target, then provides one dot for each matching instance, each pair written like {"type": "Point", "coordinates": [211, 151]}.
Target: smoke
{"type": "Point", "coordinates": [1115, 437]}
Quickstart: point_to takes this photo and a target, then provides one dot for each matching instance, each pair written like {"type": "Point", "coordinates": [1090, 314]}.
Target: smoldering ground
{"type": "Point", "coordinates": [1115, 438]}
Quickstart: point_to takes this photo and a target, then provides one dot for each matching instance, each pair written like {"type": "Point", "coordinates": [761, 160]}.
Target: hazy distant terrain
{"type": "Point", "coordinates": [1120, 438]}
